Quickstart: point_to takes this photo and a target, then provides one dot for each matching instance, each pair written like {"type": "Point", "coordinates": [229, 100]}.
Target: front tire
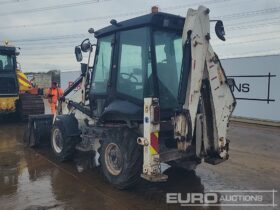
{"type": "Point", "coordinates": [121, 158]}
{"type": "Point", "coordinates": [63, 146]}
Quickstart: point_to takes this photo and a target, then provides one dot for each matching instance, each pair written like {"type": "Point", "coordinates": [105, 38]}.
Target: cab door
{"type": "Point", "coordinates": [134, 79]}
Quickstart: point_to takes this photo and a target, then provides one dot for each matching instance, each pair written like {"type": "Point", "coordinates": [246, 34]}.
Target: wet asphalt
{"type": "Point", "coordinates": [32, 179]}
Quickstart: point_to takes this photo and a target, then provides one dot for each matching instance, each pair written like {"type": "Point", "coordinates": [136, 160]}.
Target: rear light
{"type": "Point", "coordinates": [156, 114]}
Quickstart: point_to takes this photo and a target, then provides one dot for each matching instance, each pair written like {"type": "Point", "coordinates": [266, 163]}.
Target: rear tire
{"type": "Point", "coordinates": [63, 146]}
{"type": "Point", "coordinates": [121, 158]}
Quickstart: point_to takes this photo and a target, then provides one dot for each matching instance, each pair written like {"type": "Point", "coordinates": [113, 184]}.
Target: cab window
{"type": "Point", "coordinates": [6, 63]}
{"type": "Point", "coordinates": [168, 47]}
{"type": "Point", "coordinates": [102, 66]}
{"type": "Point", "coordinates": [134, 63]}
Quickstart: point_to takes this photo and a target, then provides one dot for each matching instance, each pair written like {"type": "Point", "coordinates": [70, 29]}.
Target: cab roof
{"type": "Point", "coordinates": [159, 20]}
{"type": "Point", "coordinates": [7, 49]}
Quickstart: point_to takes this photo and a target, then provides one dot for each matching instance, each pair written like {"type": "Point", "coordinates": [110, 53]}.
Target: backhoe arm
{"type": "Point", "coordinates": [205, 99]}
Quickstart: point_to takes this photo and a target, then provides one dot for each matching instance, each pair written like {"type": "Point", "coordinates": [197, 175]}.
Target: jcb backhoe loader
{"type": "Point", "coordinates": [17, 95]}
{"type": "Point", "coordinates": [156, 93]}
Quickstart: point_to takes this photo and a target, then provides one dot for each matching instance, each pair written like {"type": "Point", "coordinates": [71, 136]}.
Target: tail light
{"type": "Point", "coordinates": [156, 114]}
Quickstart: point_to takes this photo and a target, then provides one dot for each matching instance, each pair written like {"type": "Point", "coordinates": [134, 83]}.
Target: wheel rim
{"type": "Point", "coordinates": [57, 140]}
{"type": "Point", "coordinates": [113, 159]}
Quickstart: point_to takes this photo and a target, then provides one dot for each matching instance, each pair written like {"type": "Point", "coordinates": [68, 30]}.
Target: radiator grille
{"type": "Point", "coordinates": [8, 85]}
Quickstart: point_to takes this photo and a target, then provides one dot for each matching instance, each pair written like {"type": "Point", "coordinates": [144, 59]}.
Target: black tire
{"type": "Point", "coordinates": [63, 146]}
{"type": "Point", "coordinates": [125, 172]}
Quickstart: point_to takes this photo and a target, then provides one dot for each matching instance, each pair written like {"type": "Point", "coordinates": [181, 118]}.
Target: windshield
{"type": "Point", "coordinates": [6, 63]}
{"type": "Point", "coordinates": [168, 47]}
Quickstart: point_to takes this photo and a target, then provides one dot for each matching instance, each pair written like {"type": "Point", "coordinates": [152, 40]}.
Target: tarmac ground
{"type": "Point", "coordinates": [32, 179]}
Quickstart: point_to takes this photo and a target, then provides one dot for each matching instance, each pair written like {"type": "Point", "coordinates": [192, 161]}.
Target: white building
{"type": "Point", "coordinates": [257, 86]}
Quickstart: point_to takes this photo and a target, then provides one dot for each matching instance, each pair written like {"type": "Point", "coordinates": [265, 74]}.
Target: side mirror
{"type": "Point", "coordinates": [86, 45]}
{"type": "Point", "coordinates": [220, 31]}
{"type": "Point", "coordinates": [78, 53]}
{"type": "Point", "coordinates": [84, 68]}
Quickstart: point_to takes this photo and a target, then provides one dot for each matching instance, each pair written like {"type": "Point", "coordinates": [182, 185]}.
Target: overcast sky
{"type": "Point", "coordinates": [47, 30]}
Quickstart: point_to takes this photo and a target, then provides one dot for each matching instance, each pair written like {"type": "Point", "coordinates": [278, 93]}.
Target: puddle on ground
{"type": "Point", "coordinates": [33, 179]}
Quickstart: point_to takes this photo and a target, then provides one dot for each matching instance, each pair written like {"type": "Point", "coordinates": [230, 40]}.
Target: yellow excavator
{"type": "Point", "coordinates": [17, 94]}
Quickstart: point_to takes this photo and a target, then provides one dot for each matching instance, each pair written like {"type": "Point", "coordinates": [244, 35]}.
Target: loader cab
{"type": "Point", "coordinates": [8, 78]}
{"type": "Point", "coordinates": [135, 59]}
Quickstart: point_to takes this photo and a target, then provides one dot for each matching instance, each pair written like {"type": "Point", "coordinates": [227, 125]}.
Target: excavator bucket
{"type": "Point", "coordinates": [38, 131]}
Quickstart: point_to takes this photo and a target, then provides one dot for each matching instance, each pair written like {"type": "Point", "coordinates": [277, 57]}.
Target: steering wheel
{"type": "Point", "coordinates": [129, 77]}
